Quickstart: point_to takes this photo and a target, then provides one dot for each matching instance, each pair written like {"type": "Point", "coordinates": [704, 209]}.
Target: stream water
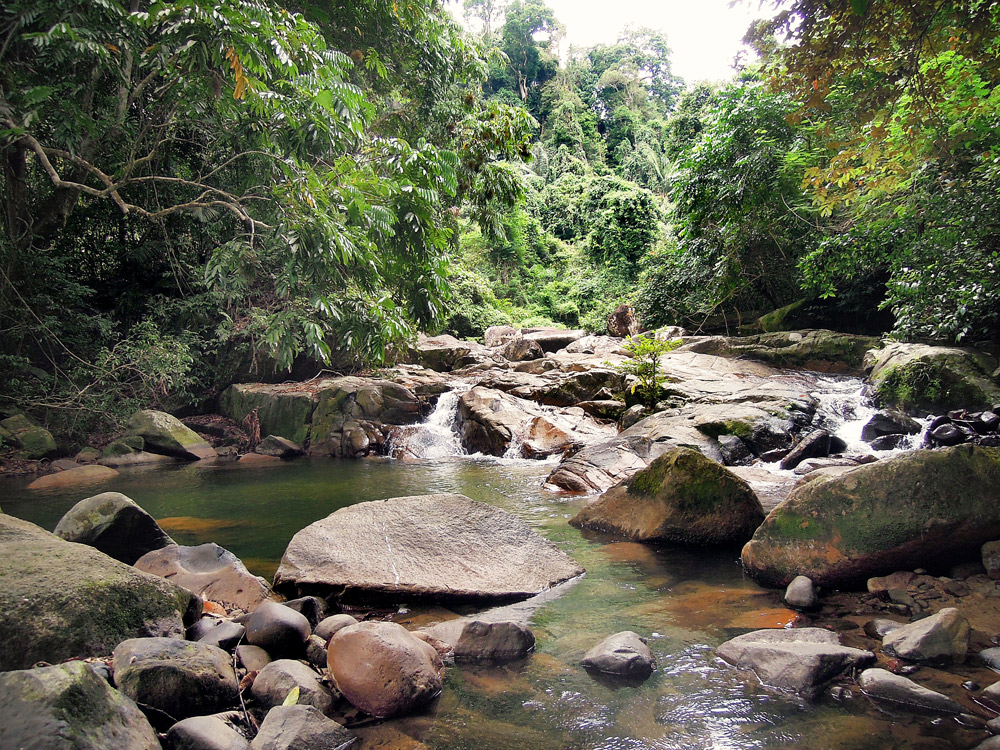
{"type": "Point", "coordinates": [686, 601]}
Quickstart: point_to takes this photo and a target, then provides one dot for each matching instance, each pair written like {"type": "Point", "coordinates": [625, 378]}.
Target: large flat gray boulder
{"type": "Point", "coordinates": [60, 600]}
{"type": "Point", "coordinates": [436, 546]}
{"type": "Point", "coordinates": [69, 707]}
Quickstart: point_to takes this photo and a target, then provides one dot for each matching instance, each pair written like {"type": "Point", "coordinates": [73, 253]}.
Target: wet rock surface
{"type": "Point", "coordinates": [625, 654]}
{"type": "Point", "coordinates": [473, 640]}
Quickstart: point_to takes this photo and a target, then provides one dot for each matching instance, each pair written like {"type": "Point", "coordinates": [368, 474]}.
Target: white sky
{"type": "Point", "coordinates": [704, 35]}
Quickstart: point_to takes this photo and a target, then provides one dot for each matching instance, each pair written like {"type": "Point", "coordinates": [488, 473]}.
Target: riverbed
{"type": "Point", "coordinates": [686, 601]}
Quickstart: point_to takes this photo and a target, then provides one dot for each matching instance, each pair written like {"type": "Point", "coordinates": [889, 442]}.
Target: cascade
{"type": "Point", "coordinates": [437, 436]}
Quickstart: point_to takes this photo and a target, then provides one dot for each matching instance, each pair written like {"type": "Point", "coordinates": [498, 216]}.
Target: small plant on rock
{"type": "Point", "coordinates": [645, 351]}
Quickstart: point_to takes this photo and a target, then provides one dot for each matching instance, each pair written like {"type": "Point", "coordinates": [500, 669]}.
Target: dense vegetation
{"type": "Point", "coordinates": [195, 193]}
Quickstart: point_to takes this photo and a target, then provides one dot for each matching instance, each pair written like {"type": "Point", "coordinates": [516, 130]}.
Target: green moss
{"type": "Point", "coordinates": [922, 385]}
{"type": "Point", "coordinates": [82, 705]}
{"type": "Point", "coordinates": [790, 525]}
{"type": "Point", "coordinates": [776, 320]}
{"type": "Point", "coordinates": [737, 427]}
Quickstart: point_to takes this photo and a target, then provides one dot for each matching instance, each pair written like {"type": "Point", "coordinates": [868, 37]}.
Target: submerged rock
{"type": "Point", "coordinates": [435, 546]}
{"type": "Point", "coordinates": [922, 508]}
{"type": "Point", "coordinates": [383, 669]}
{"type": "Point", "coordinates": [473, 640]}
{"type": "Point", "coordinates": [69, 707]}
{"type": "Point", "coordinates": [799, 661]}
{"type": "Point", "coordinates": [60, 600]}
{"type": "Point", "coordinates": [883, 685]}
{"type": "Point", "coordinates": [625, 654]}
{"type": "Point", "coordinates": [212, 572]}
{"type": "Point", "coordinates": [90, 474]}
{"type": "Point", "coordinates": [681, 497]}
{"type": "Point", "coordinates": [114, 524]}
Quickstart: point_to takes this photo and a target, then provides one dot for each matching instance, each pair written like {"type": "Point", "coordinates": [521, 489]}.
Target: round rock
{"type": "Point", "coordinates": [276, 680]}
{"type": "Point", "coordinates": [624, 653]}
{"type": "Point", "coordinates": [332, 624]}
{"type": "Point", "coordinates": [383, 669]}
{"type": "Point", "coordinates": [300, 728]}
{"type": "Point", "coordinates": [279, 630]}
{"type": "Point", "coordinates": [113, 524]}
{"type": "Point", "coordinates": [801, 593]}
{"type": "Point", "coordinates": [180, 678]}
{"type": "Point", "coordinates": [205, 733]}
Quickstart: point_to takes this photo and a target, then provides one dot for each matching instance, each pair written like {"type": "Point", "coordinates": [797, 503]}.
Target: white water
{"type": "Point", "coordinates": [437, 437]}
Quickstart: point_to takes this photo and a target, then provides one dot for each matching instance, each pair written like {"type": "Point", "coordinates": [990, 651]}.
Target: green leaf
{"type": "Point", "coordinates": [860, 7]}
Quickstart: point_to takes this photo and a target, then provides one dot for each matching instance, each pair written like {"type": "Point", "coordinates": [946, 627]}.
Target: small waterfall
{"type": "Point", "coordinates": [844, 409]}
{"type": "Point", "coordinates": [437, 437]}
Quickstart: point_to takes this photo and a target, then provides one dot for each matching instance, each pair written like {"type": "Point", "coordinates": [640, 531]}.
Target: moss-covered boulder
{"type": "Point", "coordinates": [811, 349]}
{"type": "Point", "coordinates": [353, 412]}
{"type": "Point", "coordinates": [285, 409]}
{"type": "Point", "coordinates": [921, 378]}
{"type": "Point", "coordinates": [113, 524]}
{"type": "Point", "coordinates": [162, 433]}
{"type": "Point", "coordinates": [926, 508]}
{"type": "Point", "coordinates": [60, 600]}
{"type": "Point", "coordinates": [69, 707]}
{"type": "Point", "coordinates": [34, 441]}
{"type": "Point", "coordinates": [682, 497]}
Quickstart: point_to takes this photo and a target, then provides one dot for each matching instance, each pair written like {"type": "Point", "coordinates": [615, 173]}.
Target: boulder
{"type": "Point", "coordinates": [799, 661]}
{"type": "Point", "coordinates": [801, 594]}
{"type": "Point", "coordinates": [383, 669]}
{"type": "Point", "coordinates": [899, 513]}
{"type": "Point", "coordinates": [623, 322]}
{"type": "Point", "coordinates": [495, 336]}
{"type": "Point", "coordinates": [734, 451]}
{"type": "Point", "coordinates": [165, 434]}
{"type": "Point", "coordinates": [69, 707]}
{"type": "Point", "coordinates": [681, 497]}
{"type": "Point", "coordinates": [919, 377]}
{"type": "Point", "coordinates": [91, 474]}
{"type": "Point", "coordinates": [522, 350]}
{"type": "Point", "coordinates": [276, 680]}
{"type": "Point", "coordinates": [253, 658]}
{"type": "Point", "coordinates": [136, 458]}
{"type": "Point", "coordinates": [444, 353]}
{"type": "Point", "coordinates": [902, 692]}
{"type": "Point", "coordinates": [599, 467]}
{"type": "Point", "coordinates": [275, 445]}
{"type": "Point", "coordinates": [60, 600]}
{"type": "Point", "coordinates": [279, 630]}
{"type": "Point", "coordinates": [179, 678]}
{"type": "Point", "coordinates": [474, 640]}
{"type": "Point", "coordinates": [114, 524]}
{"type": "Point", "coordinates": [552, 339]}
{"type": "Point", "coordinates": [205, 733]}
{"type": "Point", "coordinates": [942, 636]}
{"type": "Point", "coordinates": [34, 441]}
{"type": "Point", "coordinates": [604, 346]}
{"type": "Point", "coordinates": [991, 658]}
{"type": "Point", "coordinates": [490, 420]}
{"type": "Point", "coordinates": [544, 438]}
{"type": "Point", "coordinates": [332, 624]}
{"type": "Point", "coordinates": [285, 410]}
{"type": "Point", "coordinates": [316, 651]}
{"type": "Point", "coordinates": [625, 654]}
{"type": "Point", "coordinates": [889, 422]}
{"type": "Point", "coordinates": [815, 349]}
{"type": "Point", "coordinates": [300, 728]}
{"type": "Point", "coordinates": [431, 546]}
{"type": "Point", "coordinates": [224, 634]}
{"type": "Point", "coordinates": [817, 444]}
{"type": "Point", "coordinates": [210, 571]}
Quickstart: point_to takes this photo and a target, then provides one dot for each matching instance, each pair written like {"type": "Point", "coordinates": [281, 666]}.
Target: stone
{"type": "Point", "coordinates": [69, 707]}
{"type": "Point", "coordinates": [625, 654]}
{"type": "Point", "coordinates": [681, 497]}
{"type": "Point", "coordinates": [332, 624]}
{"type": "Point", "coordinates": [545, 439]}
{"type": "Point", "coordinates": [34, 441]}
{"type": "Point", "coordinates": [311, 607]}
{"type": "Point", "coordinates": [888, 442]}
{"type": "Point", "coordinates": [316, 651]}
{"type": "Point", "coordinates": [942, 636]}
{"type": "Point", "coordinates": [224, 634]}
{"type": "Point", "coordinates": [137, 458]}
{"type": "Point", "coordinates": [253, 658]}
{"type": "Point", "coordinates": [113, 524]}
{"type": "Point", "coordinates": [276, 680]}
{"type": "Point", "coordinates": [279, 447]}
{"type": "Point", "coordinates": [883, 685]}
{"type": "Point", "coordinates": [210, 571]}
{"type": "Point", "coordinates": [179, 678]}
{"type": "Point", "coordinates": [285, 410]}
{"type": "Point", "coordinates": [991, 658]}
{"type": "Point", "coordinates": [279, 630]}
{"type": "Point", "coordinates": [799, 661]}
{"type": "Point", "coordinates": [990, 553]}
{"type": "Point", "coordinates": [495, 336]}
{"type": "Point", "coordinates": [442, 547]}
{"type": "Point", "coordinates": [87, 455]}
{"type": "Point", "coordinates": [91, 474]}
{"type": "Point", "coordinates": [552, 339]}
{"type": "Point", "coordinates": [889, 422]}
{"type": "Point", "coordinates": [165, 434]}
{"type": "Point", "coordinates": [204, 733]}
{"type": "Point", "coordinates": [947, 434]}
{"type": "Point", "coordinates": [814, 445]}
{"type": "Point", "coordinates": [300, 728]}
{"type": "Point", "coordinates": [801, 594]}
{"type": "Point", "coordinates": [474, 640]}
{"type": "Point", "coordinates": [63, 464]}
{"type": "Point", "coordinates": [734, 451]}
{"type": "Point", "coordinates": [813, 349]}
{"type": "Point", "coordinates": [993, 743]}
{"type": "Point", "coordinates": [522, 350]}
{"type": "Point", "coordinates": [963, 377]}
{"type": "Point", "coordinates": [382, 669]}
{"type": "Point", "coordinates": [898, 513]}
{"type": "Point", "coordinates": [60, 600]}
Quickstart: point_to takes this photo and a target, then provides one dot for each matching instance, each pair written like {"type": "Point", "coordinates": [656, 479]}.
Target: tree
{"type": "Point", "coordinates": [486, 12]}
{"type": "Point", "coordinates": [526, 21]}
